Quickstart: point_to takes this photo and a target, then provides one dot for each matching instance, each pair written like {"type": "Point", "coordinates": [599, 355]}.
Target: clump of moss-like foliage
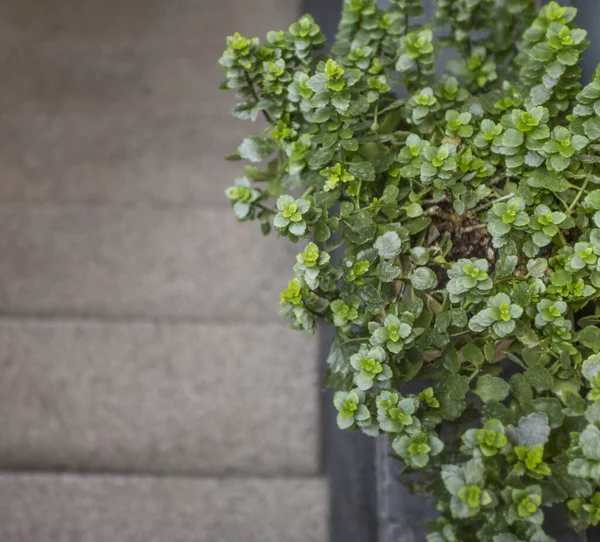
{"type": "Point", "coordinates": [467, 218]}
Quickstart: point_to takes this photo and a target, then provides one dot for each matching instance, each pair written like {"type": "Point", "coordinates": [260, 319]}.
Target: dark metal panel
{"type": "Point", "coordinates": [588, 17]}
{"type": "Point", "coordinates": [326, 13]}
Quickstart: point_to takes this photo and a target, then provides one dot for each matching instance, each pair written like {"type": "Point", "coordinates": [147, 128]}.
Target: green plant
{"type": "Point", "coordinates": [466, 217]}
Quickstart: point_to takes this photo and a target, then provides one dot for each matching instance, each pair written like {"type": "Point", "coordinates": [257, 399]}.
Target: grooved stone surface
{"type": "Point", "coordinates": [161, 23]}
{"type": "Point", "coordinates": [139, 261]}
{"type": "Point", "coordinates": [158, 398]}
{"type": "Point", "coordinates": [83, 157]}
{"type": "Point", "coordinates": [90, 509]}
{"type": "Point", "coordinates": [49, 77]}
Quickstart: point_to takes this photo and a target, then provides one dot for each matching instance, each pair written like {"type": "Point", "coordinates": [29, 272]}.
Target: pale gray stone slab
{"type": "Point", "coordinates": [79, 157]}
{"type": "Point", "coordinates": [119, 101]}
{"type": "Point", "coordinates": [55, 508]}
{"type": "Point", "coordinates": [115, 78]}
{"type": "Point", "coordinates": [158, 22]}
{"type": "Point", "coordinates": [151, 397]}
{"type": "Point", "coordinates": [130, 261]}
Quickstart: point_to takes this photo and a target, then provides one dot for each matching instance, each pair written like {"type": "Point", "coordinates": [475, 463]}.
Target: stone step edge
{"type": "Point", "coordinates": [160, 476]}
{"type": "Point", "coordinates": [30, 318]}
{"type": "Point", "coordinates": [152, 204]}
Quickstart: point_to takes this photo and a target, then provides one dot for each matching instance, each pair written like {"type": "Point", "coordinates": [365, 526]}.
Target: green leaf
{"type": "Point", "coordinates": [338, 374]}
{"type": "Point", "coordinates": [423, 278]}
{"type": "Point", "coordinates": [512, 138]}
{"type": "Point", "coordinates": [360, 227]}
{"type": "Point", "coordinates": [320, 158]}
{"type": "Point", "coordinates": [322, 231]}
{"type": "Point", "coordinates": [532, 429]}
{"type": "Point", "coordinates": [419, 255]}
{"type": "Point", "coordinates": [418, 224]}
{"type": "Point", "coordinates": [414, 210]}
{"type": "Point", "coordinates": [537, 267]}
{"type": "Point", "coordinates": [593, 199]}
{"type": "Point", "coordinates": [493, 410]}
{"type": "Point", "coordinates": [473, 354]}
{"type": "Point", "coordinates": [491, 388]}
{"type": "Point", "coordinates": [387, 271]}
{"type": "Point", "coordinates": [551, 407]}
{"type": "Point", "coordinates": [590, 337]}
{"type": "Point", "coordinates": [363, 171]}
{"type": "Point", "coordinates": [388, 245]}
{"type": "Point", "coordinates": [457, 386]}
{"type": "Point", "coordinates": [450, 359]}
{"type": "Point", "coordinates": [256, 149]}
{"type": "Point", "coordinates": [540, 95]}
{"type": "Point", "coordinates": [540, 378]}
{"type": "Point", "coordinates": [521, 389]}
{"type": "Point", "coordinates": [505, 266]}
{"type": "Point", "coordinates": [591, 367]}
{"type": "Point", "coordinates": [541, 178]}
{"type": "Point", "coordinates": [591, 128]}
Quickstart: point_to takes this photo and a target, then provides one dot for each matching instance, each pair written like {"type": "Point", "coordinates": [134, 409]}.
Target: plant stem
{"type": "Point", "coordinates": [578, 197]}
{"type": "Point", "coordinates": [489, 203]}
{"type": "Point", "coordinates": [267, 209]}
{"type": "Point", "coordinates": [268, 117]}
{"type": "Point", "coordinates": [307, 192]}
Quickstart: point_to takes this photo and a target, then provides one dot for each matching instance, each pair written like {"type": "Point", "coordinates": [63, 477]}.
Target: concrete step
{"type": "Point", "coordinates": [157, 397]}
{"type": "Point", "coordinates": [54, 508]}
{"type": "Point", "coordinates": [96, 78]}
{"type": "Point", "coordinates": [80, 157]}
{"type": "Point", "coordinates": [150, 21]}
{"type": "Point", "coordinates": [130, 261]}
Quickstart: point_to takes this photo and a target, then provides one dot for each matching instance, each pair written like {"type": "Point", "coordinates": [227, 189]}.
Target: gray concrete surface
{"type": "Point", "coordinates": [158, 23]}
{"type": "Point", "coordinates": [40, 508]}
{"type": "Point", "coordinates": [139, 333]}
{"type": "Point", "coordinates": [156, 397]}
{"type": "Point", "coordinates": [142, 260]}
{"type": "Point", "coordinates": [82, 157]}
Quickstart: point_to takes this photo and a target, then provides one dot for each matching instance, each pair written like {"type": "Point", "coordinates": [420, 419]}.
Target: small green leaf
{"type": "Point", "coordinates": [505, 266]}
{"type": "Point", "coordinates": [540, 378]}
{"type": "Point", "coordinates": [414, 210]}
{"type": "Point", "coordinates": [256, 148]}
{"type": "Point", "coordinates": [388, 245]}
{"type": "Point", "coordinates": [320, 158]}
{"type": "Point", "coordinates": [551, 407]}
{"type": "Point", "coordinates": [473, 354]}
{"type": "Point", "coordinates": [532, 429]}
{"type": "Point", "coordinates": [363, 171]}
{"type": "Point", "coordinates": [541, 178]}
{"type": "Point", "coordinates": [457, 386]}
{"type": "Point", "coordinates": [387, 271]}
{"type": "Point", "coordinates": [450, 359]}
{"type": "Point", "coordinates": [491, 388]}
{"type": "Point", "coordinates": [593, 199]}
{"type": "Point", "coordinates": [590, 337]}
{"type": "Point", "coordinates": [521, 389]}
{"type": "Point", "coordinates": [360, 227]}
{"type": "Point", "coordinates": [423, 278]}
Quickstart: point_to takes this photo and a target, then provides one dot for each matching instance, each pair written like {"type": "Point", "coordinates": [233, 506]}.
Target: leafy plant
{"type": "Point", "coordinates": [454, 242]}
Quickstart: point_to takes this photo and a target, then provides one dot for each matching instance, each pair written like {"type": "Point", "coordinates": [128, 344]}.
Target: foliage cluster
{"type": "Point", "coordinates": [453, 236]}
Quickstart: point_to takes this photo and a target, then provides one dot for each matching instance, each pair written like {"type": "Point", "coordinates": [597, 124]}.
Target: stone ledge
{"type": "Point", "coordinates": [67, 508]}
{"type": "Point", "coordinates": [158, 398]}
{"type": "Point", "coordinates": [128, 261]}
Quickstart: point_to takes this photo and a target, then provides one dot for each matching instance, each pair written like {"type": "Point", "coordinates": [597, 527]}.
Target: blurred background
{"type": "Point", "coordinates": [148, 390]}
